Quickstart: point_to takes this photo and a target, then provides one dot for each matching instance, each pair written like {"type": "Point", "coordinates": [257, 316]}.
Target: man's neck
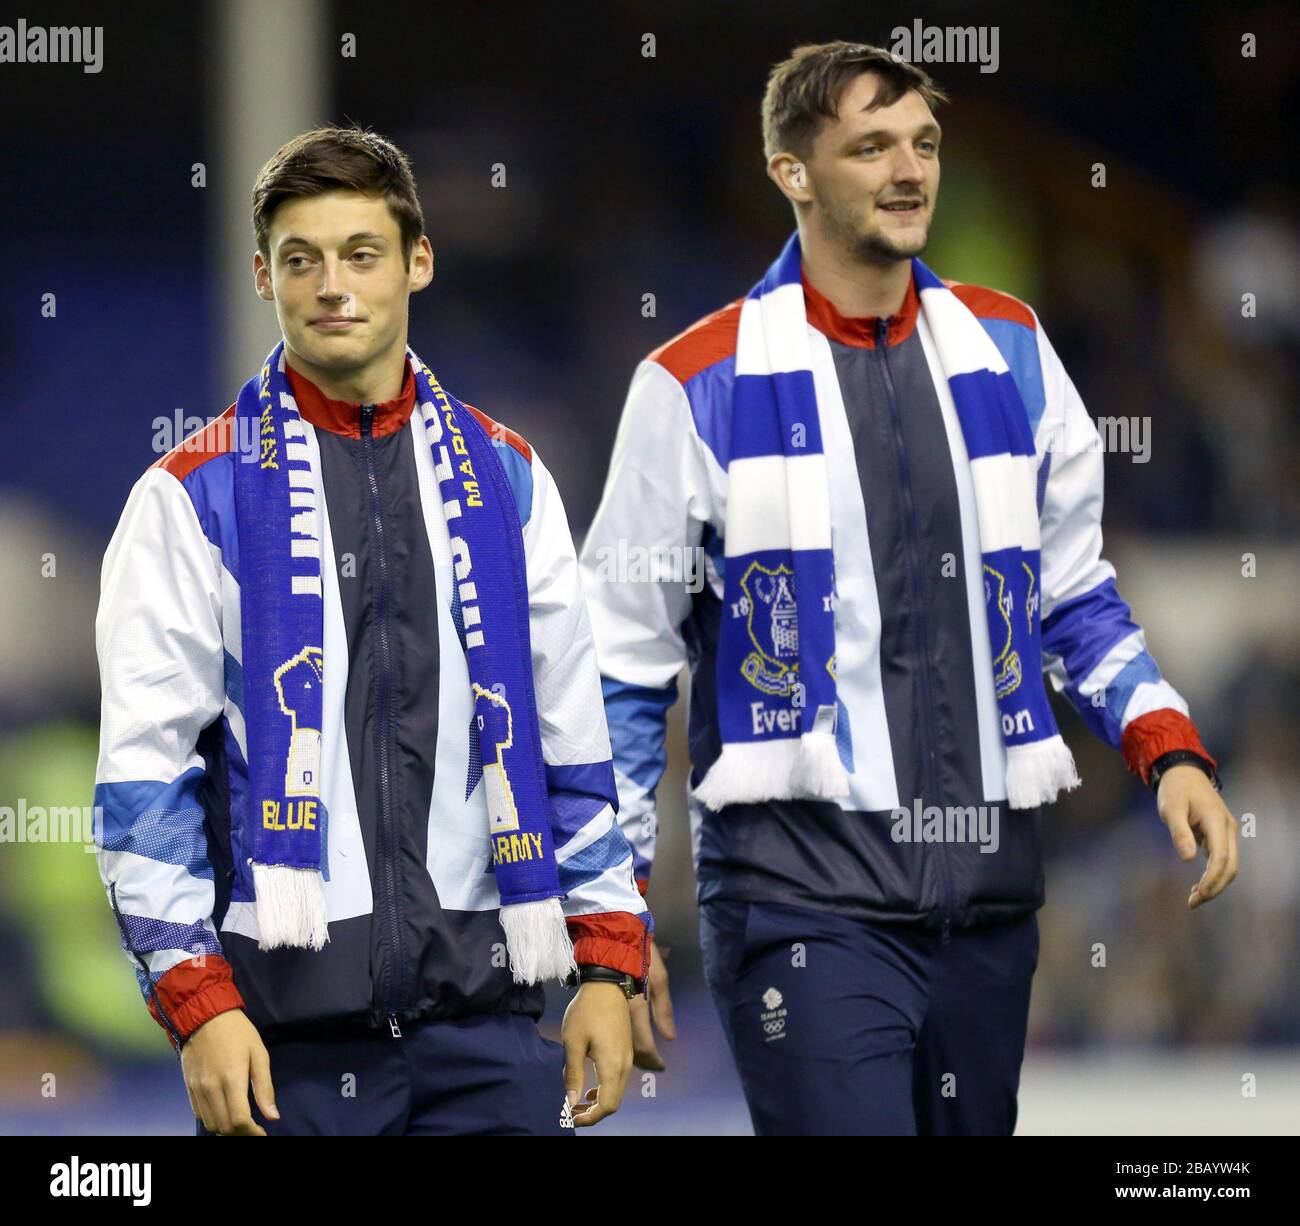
{"type": "Point", "coordinates": [378, 383]}
{"type": "Point", "coordinates": [855, 289]}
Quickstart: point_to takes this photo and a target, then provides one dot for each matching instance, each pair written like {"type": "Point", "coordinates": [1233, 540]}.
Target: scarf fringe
{"type": "Point", "coordinates": [290, 907]}
{"type": "Point", "coordinates": [819, 772]}
{"type": "Point", "coordinates": [1038, 771]}
{"type": "Point", "coordinates": [750, 772]}
{"type": "Point", "coordinates": [537, 940]}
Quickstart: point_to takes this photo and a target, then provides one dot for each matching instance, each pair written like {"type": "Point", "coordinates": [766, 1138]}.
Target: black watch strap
{"type": "Point", "coordinates": [590, 973]}
{"type": "Point", "coordinates": [1177, 757]}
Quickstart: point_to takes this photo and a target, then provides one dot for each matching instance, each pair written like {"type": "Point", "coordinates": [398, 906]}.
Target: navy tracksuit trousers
{"type": "Point", "coordinates": [846, 1027]}
{"type": "Point", "coordinates": [488, 1075]}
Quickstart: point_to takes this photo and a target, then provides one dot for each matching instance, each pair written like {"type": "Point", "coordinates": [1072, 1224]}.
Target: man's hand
{"type": "Point", "coordinates": [657, 1004]}
{"type": "Point", "coordinates": [1195, 813]}
{"type": "Point", "coordinates": [596, 1027]}
{"type": "Point", "coordinates": [219, 1061]}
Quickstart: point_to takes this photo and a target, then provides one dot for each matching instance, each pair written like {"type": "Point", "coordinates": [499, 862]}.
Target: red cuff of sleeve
{"type": "Point", "coordinates": [616, 939]}
{"type": "Point", "coordinates": [191, 994]}
{"type": "Point", "coordinates": [1158, 732]}
{"type": "Point", "coordinates": [642, 885]}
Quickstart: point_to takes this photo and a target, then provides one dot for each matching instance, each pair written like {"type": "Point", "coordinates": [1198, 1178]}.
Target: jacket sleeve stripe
{"type": "Point", "coordinates": [157, 821]}
{"type": "Point", "coordinates": [1085, 630]}
{"type": "Point", "coordinates": [157, 889]}
{"type": "Point", "coordinates": [638, 717]}
{"type": "Point", "coordinates": [148, 935]}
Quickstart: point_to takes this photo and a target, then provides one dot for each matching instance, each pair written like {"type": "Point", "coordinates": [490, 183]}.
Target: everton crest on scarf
{"type": "Point", "coordinates": [282, 614]}
{"type": "Point", "coordinates": [776, 653]}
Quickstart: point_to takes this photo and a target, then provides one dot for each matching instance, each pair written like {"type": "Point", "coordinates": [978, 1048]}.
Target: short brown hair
{"type": "Point", "coordinates": [806, 88]}
{"type": "Point", "coordinates": [327, 159]}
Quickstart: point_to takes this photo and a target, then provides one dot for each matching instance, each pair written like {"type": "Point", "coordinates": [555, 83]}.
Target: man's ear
{"type": "Point", "coordinates": [262, 278]}
{"type": "Point", "coordinates": [422, 264]}
{"type": "Point", "coordinates": [790, 174]}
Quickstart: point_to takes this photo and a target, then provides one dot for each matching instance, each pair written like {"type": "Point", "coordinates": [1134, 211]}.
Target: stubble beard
{"type": "Point", "coordinates": [874, 248]}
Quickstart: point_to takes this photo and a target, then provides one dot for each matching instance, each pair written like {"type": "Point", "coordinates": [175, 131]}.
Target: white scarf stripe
{"type": "Point", "coordinates": [758, 522]}
{"type": "Point", "coordinates": [1003, 483]}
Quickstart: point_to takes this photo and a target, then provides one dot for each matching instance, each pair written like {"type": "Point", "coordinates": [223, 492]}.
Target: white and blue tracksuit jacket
{"type": "Point", "coordinates": [912, 651]}
{"type": "Point", "coordinates": [411, 895]}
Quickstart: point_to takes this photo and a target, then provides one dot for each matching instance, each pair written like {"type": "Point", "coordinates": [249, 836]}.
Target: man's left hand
{"type": "Point", "coordinates": [597, 1027]}
{"type": "Point", "coordinates": [1195, 813]}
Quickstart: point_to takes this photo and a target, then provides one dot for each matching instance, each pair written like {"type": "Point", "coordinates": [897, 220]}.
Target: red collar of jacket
{"type": "Point", "coordinates": [860, 330]}
{"type": "Point", "coordinates": [343, 417]}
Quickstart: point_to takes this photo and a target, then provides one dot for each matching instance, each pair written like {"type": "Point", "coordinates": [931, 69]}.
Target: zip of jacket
{"type": "Point", "coordinates": [387, 841]}
{"type": "Point", "coordinates": [908, 509]}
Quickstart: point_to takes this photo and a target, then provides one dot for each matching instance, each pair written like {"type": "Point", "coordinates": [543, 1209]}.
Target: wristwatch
{"type": "Point", "coordinates": [1177, 757]}
{"type": "Point", "coordinates": [589, 973]}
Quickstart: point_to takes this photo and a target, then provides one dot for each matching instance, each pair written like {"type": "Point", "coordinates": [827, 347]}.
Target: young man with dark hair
{"type": "Point", "coordinates": [896, 492]}
{"type": "Point", "coordinates": [355, 775]}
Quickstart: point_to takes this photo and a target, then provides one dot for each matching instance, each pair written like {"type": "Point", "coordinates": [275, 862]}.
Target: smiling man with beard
{"type": "Point", "coordinates": [898, 493]}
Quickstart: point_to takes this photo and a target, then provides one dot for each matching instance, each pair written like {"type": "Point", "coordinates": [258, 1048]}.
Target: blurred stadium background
{"type": "Point", "coordinates": [628, 176]}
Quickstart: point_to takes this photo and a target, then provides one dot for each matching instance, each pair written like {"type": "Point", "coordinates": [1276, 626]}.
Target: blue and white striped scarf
{"type": "Point", "coordinates": [284, 831]}
{"type": "Point", "coordinates": [777, 704]}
